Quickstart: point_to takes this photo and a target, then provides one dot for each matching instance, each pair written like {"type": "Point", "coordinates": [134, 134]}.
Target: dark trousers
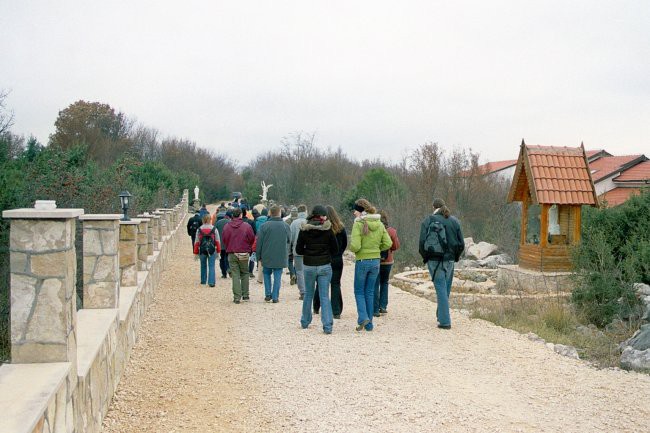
{"type": "Point", "coordinates": [381, 288]}
{"type": "Point", "coordinates": [223, 264]}
{"type": "Point", "coordinates": [335, 284]}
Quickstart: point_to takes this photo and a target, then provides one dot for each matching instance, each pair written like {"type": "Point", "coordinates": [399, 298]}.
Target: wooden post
{"type": "Point", "coordinates": [577, 222]}
{"type": "Point", "coordinates": [543, 240]}
{"type": "Point", "coordinates": [524, 220]}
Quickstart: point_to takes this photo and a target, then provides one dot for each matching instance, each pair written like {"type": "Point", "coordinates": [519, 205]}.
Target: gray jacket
{"type": "Point", "coordinates": [273, 243]}
{"type": "Point", "coordinates": [295, 230]}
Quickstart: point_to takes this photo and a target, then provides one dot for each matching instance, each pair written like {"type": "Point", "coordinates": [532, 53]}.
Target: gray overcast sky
{"type": "Point", "coordinates": [374, 77]}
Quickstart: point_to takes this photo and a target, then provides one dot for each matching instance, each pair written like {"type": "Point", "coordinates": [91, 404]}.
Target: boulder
{"type": "Point", "coordinates": [641, 339]}
{"type": "Point", "coordinates": [590, 331]}
{"type": "Point", "coordinates": [642, 289]}
{"type": "Point", "coordinates": [568, 351]}
{"type": "Point", "coordinates": [480, 251]}
{"type": "Point", "coordinates": [468, 243]}
{"type": "Point", "coordinates": [633, 359]}
{"type": "Point", "coordinates": [493, 261]}
{"type": "Point", "coordinates": [467, 264]}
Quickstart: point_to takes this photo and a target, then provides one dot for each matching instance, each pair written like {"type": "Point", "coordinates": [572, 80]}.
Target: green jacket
{"type": "Point", "coordinates": [369, 246]}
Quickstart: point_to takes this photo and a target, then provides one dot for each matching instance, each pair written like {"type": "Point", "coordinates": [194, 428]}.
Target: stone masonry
{"type": "Point", "coordinates": [129, 252]}
{"type": "Point", "coordinates": [43, 271]}
{"type": "Point", "coordinates": [101, 267]}
{"type": "Point", "coordinates": [143, 243]}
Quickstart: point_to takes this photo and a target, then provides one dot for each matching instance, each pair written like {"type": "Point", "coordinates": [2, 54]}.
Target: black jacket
{"type": "Point", "coordinates": [342, 240]}
{"type": "Point", "coordinates": [316, 243]}
{"type": "Point", "coordinates": [193, 224]}
{"type": "Point", "coordinates": [453, 232]}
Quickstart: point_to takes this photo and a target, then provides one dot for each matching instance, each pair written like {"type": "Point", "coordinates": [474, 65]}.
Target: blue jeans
{"type": "Point", "coordinates": [365, 274]}
{"type": "Point", "coordinates": [277, 280]}
{"type": "Point", "coordinates": [442, 274]}
{"type": "Point", "coordinates": [381, 288]}
{"type": "Point", "coordinates": [207, 267]}
{"type": "Point", "coordinates": [320, 275]}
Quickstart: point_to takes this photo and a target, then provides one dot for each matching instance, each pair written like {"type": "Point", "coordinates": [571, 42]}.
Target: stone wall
{"type": "Point", "coordinates": [66, 364]}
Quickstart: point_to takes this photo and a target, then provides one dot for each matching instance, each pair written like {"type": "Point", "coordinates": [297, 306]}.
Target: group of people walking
{"type": "Point", "coordinates": [311, 245]}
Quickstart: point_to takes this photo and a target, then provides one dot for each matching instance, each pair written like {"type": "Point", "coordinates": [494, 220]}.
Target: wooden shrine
{"type": "Point", "coordinates": [552, 184]}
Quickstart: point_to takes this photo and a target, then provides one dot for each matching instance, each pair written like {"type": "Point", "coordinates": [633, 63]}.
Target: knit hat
{"type": "Point", "coordinates": [438, 203]}
{"type": "Point", "coordinates": [319, 210]}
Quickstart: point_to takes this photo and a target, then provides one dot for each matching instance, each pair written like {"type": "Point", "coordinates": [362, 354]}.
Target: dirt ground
{"type": "Point", "coordinates": [204, 364]}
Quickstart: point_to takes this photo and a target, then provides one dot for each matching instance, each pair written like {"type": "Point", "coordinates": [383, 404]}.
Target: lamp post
{"type": "Point", "coordinates": [125, 197]}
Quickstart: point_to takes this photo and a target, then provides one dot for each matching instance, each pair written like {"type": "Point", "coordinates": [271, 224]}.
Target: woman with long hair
{"type": "Point", "coordinates": [316, 243]}
{"type": "Point", "coordinates": [386, 264]}
{"type": "Point", "coordinates": [337, 264]}
{"type": "Point", "coordinates": [369, 238]}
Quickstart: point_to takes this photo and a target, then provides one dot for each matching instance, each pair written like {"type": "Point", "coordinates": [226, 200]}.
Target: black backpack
{"type": "Point", "coordinates": [435, 242]}
{"type": "Point", "coordinates": [207, 246]}
{"type": "Point", "coordinates": [194, 225]}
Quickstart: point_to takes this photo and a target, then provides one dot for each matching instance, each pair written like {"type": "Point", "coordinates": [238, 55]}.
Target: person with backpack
{"type": "Point", "coordinates": [207, 246]}
{"type": "Point", "coordinates": [203, 211]}
{"type": "Point", "coordinates": [369, 237]}
{"type": "Point", "coordinates": [385, 265]}
{"type": "Point", "coordinates": [273, 252]}
{"type": "Point", "coordinates": [193, 225]}
{"type": "Point", "coordinates": [223, 218]}
{"type": "Point", "coordinates": [441, 244]}
{"type": "Point", "coordinates": [317, 244]}
{"type": "Point", "coordinates": [238, 237]}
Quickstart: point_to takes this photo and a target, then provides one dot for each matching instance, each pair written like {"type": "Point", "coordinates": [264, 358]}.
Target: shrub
{"type": "Point", "coordinates": [614, 254]}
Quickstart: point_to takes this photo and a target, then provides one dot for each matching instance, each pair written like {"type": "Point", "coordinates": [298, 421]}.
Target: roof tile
{"type": "Point", "coordinates": [560, 175]}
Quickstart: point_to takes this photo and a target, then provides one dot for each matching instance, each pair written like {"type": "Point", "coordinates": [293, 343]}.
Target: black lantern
{"type": "Point", "coordinates": [124, 200]}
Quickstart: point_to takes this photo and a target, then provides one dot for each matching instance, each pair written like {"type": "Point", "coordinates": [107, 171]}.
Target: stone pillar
{"type": "Point", "coordinates": [143, 243]}
{"type": "Point", "coordinates": [150, 232]}
{"type": "Point", "coordinates": [163, 224]}
{"type": "Point", "coordinates": [43, 275]}
{"type": "Point", "coordinates": [155, 222]}
{"type": "Point", "coordinates": [101, 265]}
{"type": "Point", "coordinates": [129, 253]}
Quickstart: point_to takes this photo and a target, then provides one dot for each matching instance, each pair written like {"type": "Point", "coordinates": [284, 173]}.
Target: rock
{"type": "Point", "coordinates": [493, 261]}
{"type": "Point", "coordinates": [568, 351]}
{"type": "Point", "coordinates": [480, 251]}
{"type": "Point", "coordinates": [468, 243]}
{"type": "Point", "coordinates": [641, 339]}
{"type": "Point", "coordinates": [474, 276]}
{"type": "Point", "coordinates": [534, 337]}
{"type": "Point", "coordinates": [642, 289]}
{"type": "Point", "coordinates": [589, 331]}
{"type": "Point", "coordinates": [632, 359]}
{"type": "Point", "coordinates": [467, 264]}
{"type": "Point", "coordinates": [617, 325]}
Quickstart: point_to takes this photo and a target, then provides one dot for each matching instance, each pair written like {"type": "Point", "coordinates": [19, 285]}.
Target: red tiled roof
{"type": "Point", "coordinates": [618, 196]}
{"type": "Point", "coordinates": [608, 165]}
{"type": "Point", "coordinates": [637, 173]}
{"type": "Point", "coordinates": [559, 175]}
{"type": "Point", "coordinates": [491, 167]}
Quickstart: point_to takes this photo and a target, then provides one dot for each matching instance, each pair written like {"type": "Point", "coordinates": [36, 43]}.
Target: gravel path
{"type": "Point", "coordinates": [205, 364]}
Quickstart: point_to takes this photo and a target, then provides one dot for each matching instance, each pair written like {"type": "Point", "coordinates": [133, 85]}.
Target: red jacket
{"type": "Point", "coordinates": [393, 237]}
{"type": "Point", "coordinates": [207, 230]}
{"type": "Point", "coordinates": [238, 236]}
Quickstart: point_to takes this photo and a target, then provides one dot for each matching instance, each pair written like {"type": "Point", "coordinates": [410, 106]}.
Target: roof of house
{"type": "Point", "coordinates": [553, 175]}
{"type": "Point", "coordinates": [619, 195]}
{"type": "Point", "coordinates": [494, 166]}
{"type": "Point", "coordinates": [609, 165]}
{"type": "Point", "coordinates": [637, 173]}
{"type": "Point", "coordinates": [596, 153]}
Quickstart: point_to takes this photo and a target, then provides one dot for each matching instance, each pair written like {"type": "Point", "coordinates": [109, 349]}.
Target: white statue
{"type": "Point", "coordinates": [196, 192]}
{"type": "Point", "coordinates": [265, 189]}
{"type": "Point", "coordinates": [553, 221]}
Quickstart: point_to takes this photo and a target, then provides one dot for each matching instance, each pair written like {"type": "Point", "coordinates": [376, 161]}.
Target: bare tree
{"type": "Point", "coordinates": [6, 116]}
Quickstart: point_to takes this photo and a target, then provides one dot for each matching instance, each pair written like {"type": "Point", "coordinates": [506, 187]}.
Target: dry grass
{"type": "Point", "coordinates": [555, 321]}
